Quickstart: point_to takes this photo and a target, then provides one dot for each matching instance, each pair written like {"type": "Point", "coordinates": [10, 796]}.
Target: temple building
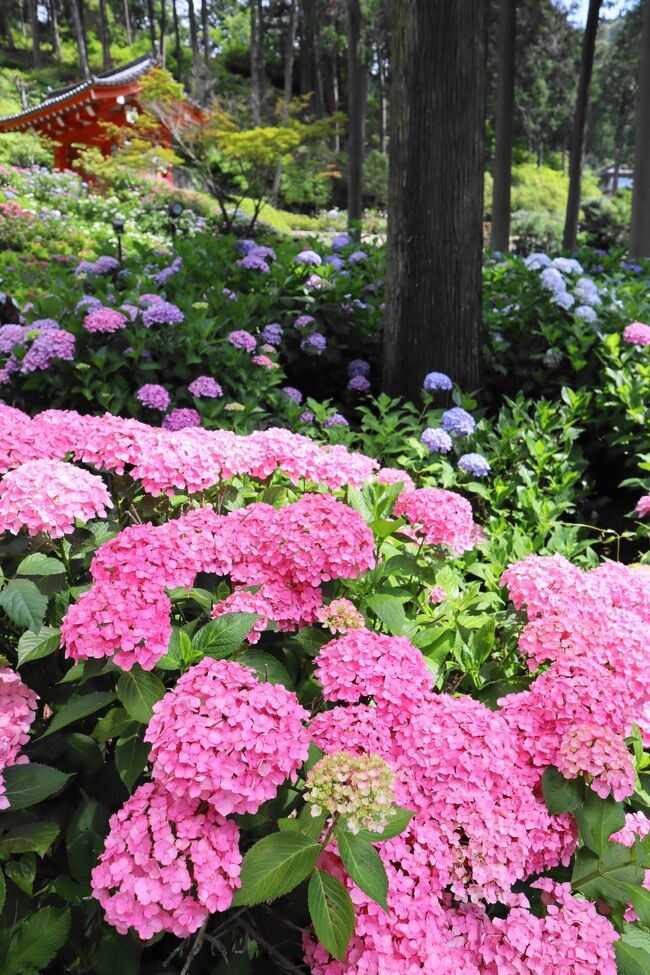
{"type": "Point", "coordinates": [73, 115]}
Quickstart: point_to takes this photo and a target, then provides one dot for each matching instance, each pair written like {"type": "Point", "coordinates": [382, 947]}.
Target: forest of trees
{"type": "Point", "coordinates": [438, 93]}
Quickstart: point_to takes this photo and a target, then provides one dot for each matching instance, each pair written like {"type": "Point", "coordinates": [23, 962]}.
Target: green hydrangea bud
{"type": "Point", "coordinates": [358, 788]}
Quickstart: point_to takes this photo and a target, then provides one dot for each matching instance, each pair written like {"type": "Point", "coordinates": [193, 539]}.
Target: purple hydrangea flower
{"type": "Point", "coordinates": [181, 418]}
{"type": "Point", "coordinates": [336, 420]}
{"type": "Point", "coordinates": [315, 343]}
{"type": "Point", "coordinates": [85, 267]}
{"type": "Point", "coordinates": [253, 262]}
{"type": "Point", "coordinates": [308, 257]}
{"type": "Point", "coordinates": [458, 421]}
{"type": "Point", "coordinates": [242, 340]}
{"type": "Point", "coordinates": [246, 245]}
{"type": "Point", "coordinates": [292, 393]}
{"type": "Point", "coordinates": [306, 416]}
{"type": "Point", "coordinates": [162, 313]}
{"type": "Point", "coordinates": [206, 387]}
{"type": "Point", "coordinates": [267, 253]}
{"type": "Point", "coordinates": [272, 333]}
{"type": "Point", "coordinates": [357, 257]}
{"type": "Point", "coordinates": [436, 440]}
{"type": "Point", "coordinates": [148, 298]}
{"type": "Point", "coordinates": [11, 335]}
{"type": "Point", "coordinates": [313, 281]}
{"type": "Point", "coordinates": [341, 241]}
{"type": "Point", "coordinates": [359, 384]}
{"type": "Point", "coordinates": [437, 380]}
{"type": "Point", "coordinates": [45, 324]}
{"type": "Point", "coordinates": [167, 272]}
{"type": "Point", "coordinates": [230, 295]}
{"type": "Point", "coordinates": [131, 310]}
{"type": "Point", "coordinates": [358, 367]}
{"type": "Point", "coordinates": [89, 302]}
{"type": "Point", "coordinates": [46, 348]}
{"type": "Point", "coordinates": [337, 262]}
{"type": "Point", "coordinates": [106, 265]}
{"type": "Point", "coordinates": [154, 396]}
{"type": "Point", "coordinates": [474, 464]}
{"type": "Point", "coordinates": [303, 321]}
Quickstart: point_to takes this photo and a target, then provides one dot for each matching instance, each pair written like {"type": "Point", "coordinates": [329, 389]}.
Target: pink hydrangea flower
{"type": "Point", "coordinates": [225, 738]}
{"type": "Point", "coordinates": [17, 709]}
{"type": "Point", "coordinates": [437, 595]}
{"type": "Point", "coordinates": [637, 334]}
{"type": "Point", "coordinates": [439, 517]}
{"type": "Point", "coordinates": [105, 320]}
{"type": "Point", "coordinates": [339, 616]}
{"type": "Point", "coordinates": [643, 506]}
{"type": "Point", "coordinates": [50, 496]}
{"type": "Point", "coordinates": [591, 750]}
{"type": "Point", "coordinates": [167, 864]}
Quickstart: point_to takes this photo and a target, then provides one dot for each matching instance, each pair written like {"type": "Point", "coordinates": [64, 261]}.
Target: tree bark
{"type": "Point", "coordinates": [151, 17]}
{"type": "Point", "coordinates": [207, 68]}
{"type": "Point", "coordinates": [36, 40]}
{"type": "Point", "coordinates": [435, 232]}
{"type": "Point", "coordinates": [288, 83]}
{"type": "Point", "coordinates": [106, 38]}
{"type": "Point", "coordinates": [5, 27]}
{"type": "Point", "coordinates": [570, 238]}
{"type": "Point", "coordinates": [383, 101]}
{"type": "Point", "coordinates": [54, 29]}
{"type": "Point", "coordinates": [163, 31]}
{"type": "Point", "coordinates": [500, 232]}
{"type": "Point", "coordinates": [640, 226]}
{"type": "Point", "coordinates": [76, 13]}
{"type": "Point", "coordinates": [178, 54]}
{"type": "Point", "coordinates": [357, 96]}
{"type": "Point", "coordinates": [197, 73]}
{"type": "Point", "coordinates": [257, 61]}
{"type": "Point", "coordinates": [127, 23]}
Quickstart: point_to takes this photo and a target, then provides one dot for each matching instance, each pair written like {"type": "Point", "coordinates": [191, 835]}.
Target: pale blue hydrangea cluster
{"type": "Point", "coordinates": [474, 464]}
{"type": "Point", "coordinates": [436, 440]}
{"type": "Point", "coordinates": [458, 422]}
{"type": "Point", "coordinates": [435, 381]}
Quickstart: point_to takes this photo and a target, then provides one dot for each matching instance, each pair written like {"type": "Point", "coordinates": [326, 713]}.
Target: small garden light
{"type": "Point", "coordinates": [118, 227]}
{"type": "Point", "coordinates": [175, 209]}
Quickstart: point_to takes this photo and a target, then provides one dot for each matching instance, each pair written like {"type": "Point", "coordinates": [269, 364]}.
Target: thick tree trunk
{"type": "Point", "coordinates": [178, 53]}
{"type": "Point", "coordinates": [618, 142]}
{"type": "Point", "coordinates": [163, 31]}
{"type": "Point", "coordinates": [357, 96]}
{"type": "Point", "coordinates": [54, 29]}
{"type": "Point", "coordinates": [76, 14]}
{"type": "Point", "coordinates": [151, 17]}
{"type": "Point", "coordinates": [257, 61]}
{"type": "Point", "coordinates": [436, 152]}
{"type": "Point", "coordinates": [127, 23]}
{"type": "Point", "coordinates": [570, 238]}
{"type": "Point", "coordinates": [288, 83]}
{"type": "Point", "coordinates": [197, 72]}
{"type": "Point", "coordinates": [5, 27]}
{"type": "Point", "coordinates": [640, 227]}
{"type": "Point", "coordinates": [383, 101]}
{"type": "Point", "coordinates": [106, 38]}
{"type": "Point", "coordinates": [500, 233]}
{"type": "Point", "coordinates": [36, 40]}
{"type": "Point", "coordinates": [207, 67]}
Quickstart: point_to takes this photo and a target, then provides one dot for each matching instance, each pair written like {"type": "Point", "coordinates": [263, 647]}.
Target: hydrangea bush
{"type": "Point", "coordinates": [256, 704]}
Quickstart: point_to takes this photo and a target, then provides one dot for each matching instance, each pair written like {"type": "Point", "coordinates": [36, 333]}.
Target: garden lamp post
{"type": "Point", "coordinates": [175, 209]}
{"type": "Point", "coordinates": [118, 227]}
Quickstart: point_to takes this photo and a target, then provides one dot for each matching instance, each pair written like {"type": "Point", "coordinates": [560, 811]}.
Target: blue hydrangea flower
{"type": "Point", "coordinates": [272, 333]}
{"type": "Point", "coordinates": [586, 313]}
{"type": "Point", "coordinates": [437, 380]}
{"type": "Point", "coordinates": [359, 384]}
{"type": "Point", "coordinates": [437, 441]}
{"type": "Point", "coordinates": [474, 464]}
{"type": "Point", "coordinates": [336, 420]}
{"type": "Point", "coordinates": [537, 261]}
{"type": "Point", "coordinates": [564, 300]}
{"type": "Point", "coordinates": [358, 367]}
{"type": "Point", "coordinates": [337, 262]}
{"type": "Point", "coordinates": [568, 265]}
{"type": "Point", "coordinates": [308, 257]}
{"type": "Point", "coordinates": [357, 257]}
{"type": "Point", "coordinates": [302, 321]}
{"type": "Point", "coordinates": [315, 343]}
{"type": "Point", "coordinates": [341, 241]}
{"type": "Point", "coordinates": [254, 262]}
{"type": "Point", "coordinates": [306, 416]}
{"type": "Point", "coordinates": [458, 421]}
{"type": "Point", "coordinates": [292, 393]}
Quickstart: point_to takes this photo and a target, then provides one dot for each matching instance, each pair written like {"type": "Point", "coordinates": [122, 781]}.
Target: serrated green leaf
{"type": "Point", "coordinates": [30, 838]}
{"type": "Point", "coordinates": [311, 825]}
{"type": "Point", "coordinates": [78, 708]}
{"type": "Point", "coordinates": [28, 784]}
{"type": "Point", "coordinates": [139, 690]}
{"type": "Point", "coordinates": [363, 864]}
{"type": "Point", "coordinates": [220, 638]}
{"type": "Point", "coordinates": [597, 819]}
{"type": "Point", "coordinates": [332, 913]}
{"type": "Point", "coordinates": [390, 611]}
{"type": "Point", "coordinates": [266, 666]}
{"type": "Point", "coordinates": [85, 838]}
{"type": "Point", "coordinates": [130, 759]}
{"type": "Point", "coordinates": [274, 866]}
{"type": "Point", "coordinates": [24, 604]}
{"type": "Point", "coordinates": [116, 723]}
{"type": "Point", "coordinates": [22, 873]}
{"type": "Point", "coordinates": [38, 564]}
{"type": "Point", "coordinates": [396, 825]}
{"type": "Point", "coordinates": [36, 940]}
{"type": "Point", "coordinates": [633, 952]}
{"type": "Point", "coordinates": [560, 794]}
{"type": "Point", "coordinates": [35, 646]}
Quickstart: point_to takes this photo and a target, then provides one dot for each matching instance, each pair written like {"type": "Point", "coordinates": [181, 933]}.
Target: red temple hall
{"type": "Point", "coordinates": [74, 114]}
